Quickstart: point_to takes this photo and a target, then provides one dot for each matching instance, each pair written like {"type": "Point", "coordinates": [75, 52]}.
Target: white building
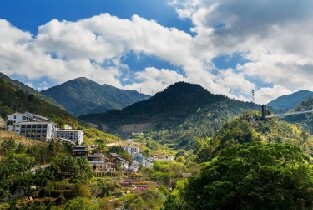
{"type": "Point", "coordinates": [134, 167]}
{"type": "Point", "coordinates": [16, 118]}
{"type": "Point", "coordinates": [148, 163]}
{"type": "Point", "coordinates": [39, 130]}
{"type": "Point", "coordinates": [76, 136]}
{"type": "Point", "coordinates": [132, 147]}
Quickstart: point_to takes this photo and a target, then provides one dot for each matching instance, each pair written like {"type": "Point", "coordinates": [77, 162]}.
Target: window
{"type": "Point", "coordinates": [45, 126]}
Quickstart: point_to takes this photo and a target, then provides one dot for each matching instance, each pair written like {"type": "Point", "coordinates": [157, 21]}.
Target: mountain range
{"type": "Point", "coordinates": [174, 116]}
{"type": "Point", "coordinates": [287, 102]}
{"type": "Point", "coordinates": [82, 96]}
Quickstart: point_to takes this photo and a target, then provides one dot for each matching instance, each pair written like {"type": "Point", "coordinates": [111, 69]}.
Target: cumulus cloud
{"type": "Point", "coordinates": [261, 32]}
{"type": "Point", "coordinates": [274, 36]}
{"type": "Point", "coordinates": [151, 80]}
{"type": "Point", "coordinates": [266, 94]}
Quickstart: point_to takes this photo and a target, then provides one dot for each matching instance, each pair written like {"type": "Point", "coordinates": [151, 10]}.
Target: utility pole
{"type": "Point", "coordinates": [91, 76]}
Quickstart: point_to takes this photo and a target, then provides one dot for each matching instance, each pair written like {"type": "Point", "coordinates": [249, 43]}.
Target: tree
{"type": "Point", "coordinates": [81, 203]}
{"type": "Point", "coordinates": [253, 176]}
{"type": "Point", "coordinates": [15, 174]}
{"type": "Point", "coordinates": [8, 146]}
{"type": "Point", "coordinates": [69, 167]}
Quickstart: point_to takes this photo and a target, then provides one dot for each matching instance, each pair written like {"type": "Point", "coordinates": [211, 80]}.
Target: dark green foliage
{"type": "Point", "coordinates": [102, 187]}
{"type": "Point", "coordinates": [82, 203]}
{"type": "Point", "coordinates": [253, 176]}
{"type": "Point", "coordinates": [240, 130]}
{"type": "Point", "coordinates": [71, 168]}
{"type": "Point", "coordinates": [11, 96]}
{"type": "Point", "coordinates": [174, 116]}
{"type": "Point", "coordinates": [305, 120]}
{"type": "Point", "coordinates": [144, 200]}
{"type": "Point", "coordinates": [166, 172]}
{"type": "Point", "coordinates": [82, 96]}
{"type": "Point", "coordinates": [15, 175]}
{"type": "Point", "coordinates": [28, 90]}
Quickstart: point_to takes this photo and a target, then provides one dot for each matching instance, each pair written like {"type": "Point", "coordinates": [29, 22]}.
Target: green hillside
{"type": "Point", "coordinates": [12, 96]}
{"type": "Point", "coordinates": [29, 90]}
{"type": "Point", "coordinates": [304, 120]}
{"type": "Point", "coordinates": [83, 96]}
{"type": "Point", "coordinates": [174, 116]}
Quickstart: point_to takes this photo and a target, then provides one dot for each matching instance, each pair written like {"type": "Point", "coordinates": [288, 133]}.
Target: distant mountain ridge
{"type": "Point", "coordinates": [82, 96]}
{"type": "Point", "coordinates": [175, 116]}
{"type": "Point", "coordinates": [287, 102]}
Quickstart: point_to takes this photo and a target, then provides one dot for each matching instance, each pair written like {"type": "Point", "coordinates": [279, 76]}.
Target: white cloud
{"type": "Point", "coordinates": [152, 80]}
{"type": "Point", "coordinates": [274, 35]}
{"type": "Point", "coordinates": [262, 32]}
{"type": "Point", "coordinates": [266, 94]}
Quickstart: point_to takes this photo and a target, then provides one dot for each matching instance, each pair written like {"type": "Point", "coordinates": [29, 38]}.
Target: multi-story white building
{"type": "Point", "coordinates": [39, 130]}
{"type": "Point", "coordinates": [76, 136]}
{"type": "Point", "coordinates": [16, 118]}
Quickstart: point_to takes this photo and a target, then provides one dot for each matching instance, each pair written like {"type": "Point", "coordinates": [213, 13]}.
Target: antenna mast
{"type": "Point", "coordinates": [253, 96]}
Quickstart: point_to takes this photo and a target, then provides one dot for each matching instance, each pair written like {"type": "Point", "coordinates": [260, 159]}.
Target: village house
{"type": "Point", "coordinates": [131, 147]}
{"type": "Point", "coordinates": [134, 167]}
{"type": "Point", "coordinates": [80, 151]}
{"type": "Point", "coordinates": [143, 161]}
{"type": "Point", "coordinates": [119, 162]}
{"type": "Point", "coordinates": [97, 162]}
{"type": "Point", "coordinates": [76, 136]}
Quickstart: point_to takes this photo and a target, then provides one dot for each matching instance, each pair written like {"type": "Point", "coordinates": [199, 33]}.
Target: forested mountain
{"type": "Point", "coordinates": [250, 164]}
{"type": "Point", "coordinates": [287, 102]}
{"type": "Point", "coordinates": [82, 96]}
{"type": "Point", "coordinates": [305, 120]}
{"type": "Point", "coordinates": [241, 130]}
{"type": "Point", "coordinates": [13, 97]}
{"type": "Point", "coordinates": [173, 116]}
{"type": "Point", "coordinates": [29, 90]}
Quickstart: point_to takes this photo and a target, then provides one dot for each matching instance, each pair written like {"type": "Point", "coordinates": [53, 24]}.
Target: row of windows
{"type": "Point", "coordinates": [67, 134]}
{"type": "Point", "coordinates": [34, 126]}
{"type": "Point", "coordinates": [33, 131]}
{"type": "Point", "coordinates": [68, 137]}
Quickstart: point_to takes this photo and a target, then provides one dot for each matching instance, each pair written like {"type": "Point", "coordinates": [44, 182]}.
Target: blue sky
{"type": "Point", "coordinates": [229, 47]}
{"type": "Point", "coordinates": [28, 15]}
